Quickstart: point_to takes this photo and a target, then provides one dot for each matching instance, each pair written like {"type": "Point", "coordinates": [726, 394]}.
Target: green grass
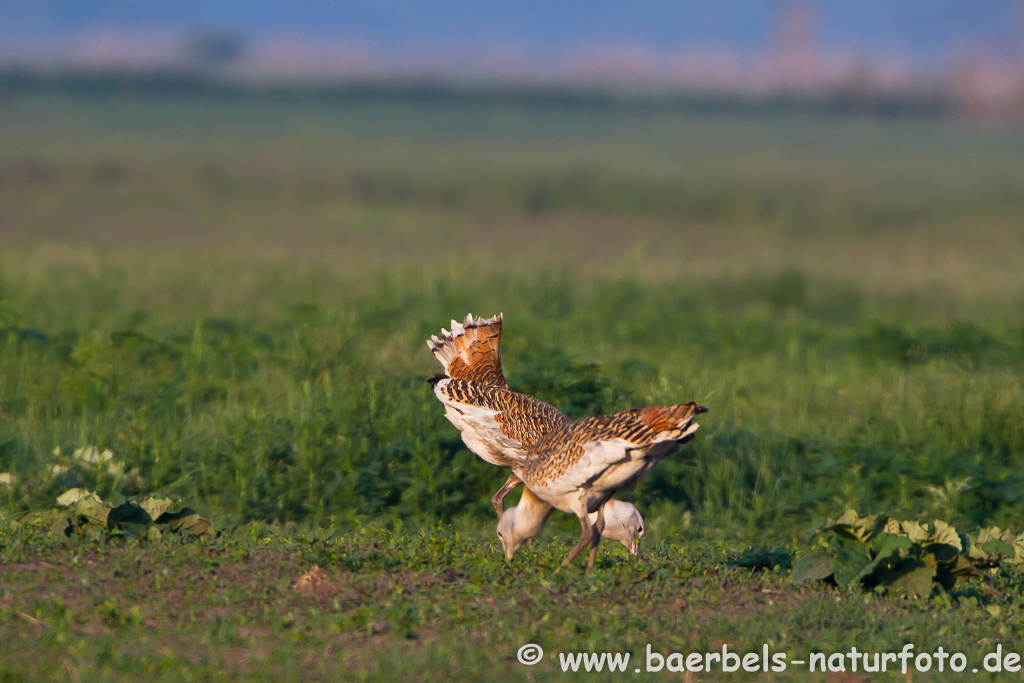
{"type": "Point", "coordinates": [233, 294]}
{"type": "Point", "coordinates": [319, 411]}
{"type": "Point", "coordinates": [407, 604]}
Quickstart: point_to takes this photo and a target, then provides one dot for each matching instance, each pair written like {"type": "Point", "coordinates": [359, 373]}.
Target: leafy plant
{"type": "Point", "coordinates": [881, 553]}
{"type": "Point", "coordinates": [80, 511]}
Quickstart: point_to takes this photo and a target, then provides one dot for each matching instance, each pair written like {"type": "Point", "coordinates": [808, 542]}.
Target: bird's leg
{"type": "Point", "coordinates": [596, 537]}
{"type": "Point", "coordinates": [498, 499]}
{"type": "Point", "coordinates": [586, 531]}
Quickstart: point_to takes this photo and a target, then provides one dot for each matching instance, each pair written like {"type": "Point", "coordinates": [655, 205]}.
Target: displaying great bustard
{"type": "Point", "coordinates": [577, 467]}
{"type": "Point", "coordinates": [498, 424]}
{"type": "Point", "coordinates": [572, 465]}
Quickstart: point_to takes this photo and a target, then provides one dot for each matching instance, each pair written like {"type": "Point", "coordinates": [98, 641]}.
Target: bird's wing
{"type": "Point", "coordinates": [578, 453]}
{"type": "Point", "coordinates": [497, 424]}
{"type": "Point", "coordinates": [482, 424]}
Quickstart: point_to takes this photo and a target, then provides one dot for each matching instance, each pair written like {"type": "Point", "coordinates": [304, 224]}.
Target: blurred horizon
{"type": "Point", "coordinates": [972, 52]}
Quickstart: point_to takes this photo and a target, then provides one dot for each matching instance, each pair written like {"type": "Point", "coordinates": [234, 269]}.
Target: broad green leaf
{"type": "Point", "coordinates": [852, 526]}
{"type": "Point", "coordinates": [888, 548]}
{"type": "Point", "coordinates": [913, 577]}
{"type": "Point", "coordinates": [88, 509]}
{"type": "Point", "coordinates": [886, 543]}
{"type": "Point", "coordinates": [193, 524]}
{"type": "Point", "coordinates": [998, 546]}
{"type": "Point", "coordinates": [72, 496]}
{"type": "Point", "coordinates": [992, 545]}
{"type": "Point", "coordinates": [812, 566]}
{"type": "Point", "coordinates": [850, 558]}
{"type": "Point", "coordinates": [848, 518]}
{"type": "Point", "coordinates": [185, 521]}
{"type": "Point", "coordinates": [909, 555]}
{"type": "Point", "coordinates": [866, 527]}
{"type": "Point", "coordinates": [987, 534]}
{"type": "Point", "coordinates": [945, 534]}
{"type": "Point", "coordinates": [891, 526]}
{"type": "Point", "coordinates": [915, 532]}
{"type": "Point", "coordinates": [1018, 550]}
{"type": "Point", "coordinates": [157, 505]}
{"type": "Point", "coordinates": [919, 582]}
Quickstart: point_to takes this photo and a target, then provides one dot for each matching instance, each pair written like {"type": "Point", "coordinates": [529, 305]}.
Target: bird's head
{"type": "Point", "coordinates": [623, 523]}
{"type": "Point", "coordinates": [511, 538]}
{"type": "Point", "coordinates": [519, 524]}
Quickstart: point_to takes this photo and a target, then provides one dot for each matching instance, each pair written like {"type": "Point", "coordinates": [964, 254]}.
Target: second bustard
{"type": "Point", "coordinates": [519, 524]}
{"type": "Point", "coordinates": [578, 467]}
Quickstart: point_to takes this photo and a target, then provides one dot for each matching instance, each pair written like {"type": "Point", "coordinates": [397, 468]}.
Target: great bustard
{"type": "Point", "coordinates": [498, 424]}
{"type": "Point", "coordinates": [520, 523]}
{"type": "Point", "coordinates": [501, 425]}
{"type": "Point", "coordinates": [578, 467]}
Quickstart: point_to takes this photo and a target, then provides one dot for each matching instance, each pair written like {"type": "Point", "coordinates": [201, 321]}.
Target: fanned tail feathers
{"type": "Point", "coordinates": [471, 350]}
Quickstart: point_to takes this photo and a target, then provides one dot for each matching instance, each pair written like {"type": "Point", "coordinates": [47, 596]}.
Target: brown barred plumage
{"type": "Point", "coordinates": [557, 451]}
{"type": "Point", "coordinates": [579, 466]}
{"type": "Point", "coordinates": [522, 418]}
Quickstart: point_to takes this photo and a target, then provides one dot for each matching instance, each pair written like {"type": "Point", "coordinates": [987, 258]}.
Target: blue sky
{"type": "Point", "coordinates": [924, 31]}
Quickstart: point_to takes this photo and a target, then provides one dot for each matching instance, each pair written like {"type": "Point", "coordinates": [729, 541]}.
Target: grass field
{"type": "Point", "coordinates": [231, 294]}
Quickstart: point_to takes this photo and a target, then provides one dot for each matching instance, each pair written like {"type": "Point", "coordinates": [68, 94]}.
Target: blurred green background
{"type": "Point", "coordinates": [232, 291]}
